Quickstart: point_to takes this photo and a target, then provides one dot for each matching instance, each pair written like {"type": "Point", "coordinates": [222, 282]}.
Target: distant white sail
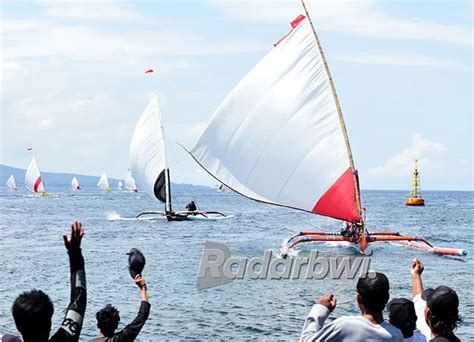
{"type": "Point", "coordinates": [147, 153]}
{"type": "Point", "coordinates": [75, 184]}
{"type": "Point", "coordinates": [130, 183]}
{"type": "Point", "coordinates": [11, 182]}
{"type": "Point", "coordinates": [120, 185]}
{"type": "Point", "coordinates": [278, 138]}
{"type": "Point", "coordinates": [33, 180]}
{"type": "Point", "coordinates": [103, 183]}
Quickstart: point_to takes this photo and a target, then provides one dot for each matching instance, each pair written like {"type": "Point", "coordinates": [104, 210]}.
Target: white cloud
{"type": "Point", "coordinates": [400, 165]}
{"type": "Point", "coordinates": [355, 17]}
{"type": "Point", "coordinates": [404, 60]}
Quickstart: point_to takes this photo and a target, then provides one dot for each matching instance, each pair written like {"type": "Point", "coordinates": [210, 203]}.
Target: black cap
{"type": "Point", "coordinates": [442, 301]}
{"type": "Point", "coordinates": [375, 284]}
{"type": "Point", "coordinates": [136, 262]}
{"type": "Point", "coordinates": [402, 311]}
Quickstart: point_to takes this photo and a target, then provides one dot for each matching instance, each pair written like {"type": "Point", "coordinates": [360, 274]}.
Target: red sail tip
{"type": "Point", "coordinates": [339, 201]}
{"type": "Point", "coordinates": [37, 183]}
{"type": "Point", "coordinates": [298, 20]}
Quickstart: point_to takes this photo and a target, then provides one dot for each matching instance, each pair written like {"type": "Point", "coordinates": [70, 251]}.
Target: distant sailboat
{"type": "Point", "coordinates": [11, 183]}
{"type": "Point", "coordinates": [149, 164]}
{"type": "Point", "coordinates": [75, 184]}
{"type": "Point", "coordinates": [33, 180]}
{"type": "Point", "coordinates": [103, 183]}
{"type": "Point", "coordinates": [120, 185]}
{"type": "Point", "coordinates": [415, 199]}
{"type": "Point", "coordinates": [130, 184]}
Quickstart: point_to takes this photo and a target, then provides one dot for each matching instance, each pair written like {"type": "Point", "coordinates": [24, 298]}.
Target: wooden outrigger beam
{"type": "Point", "coordinates": [364, 239]}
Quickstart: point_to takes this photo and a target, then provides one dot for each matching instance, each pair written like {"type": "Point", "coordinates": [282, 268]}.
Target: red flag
{"type": "Point", "coordinates": [149, 71]}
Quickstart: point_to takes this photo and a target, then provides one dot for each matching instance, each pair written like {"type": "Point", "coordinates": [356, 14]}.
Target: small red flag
{"type": "Point", "coordinates": [29, 149]}
{"type": "Point", "coordinates": [149, 71]}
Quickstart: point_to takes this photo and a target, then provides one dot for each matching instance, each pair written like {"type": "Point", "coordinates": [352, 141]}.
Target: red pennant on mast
{"type": "Point", "coordinates": [149, 71]}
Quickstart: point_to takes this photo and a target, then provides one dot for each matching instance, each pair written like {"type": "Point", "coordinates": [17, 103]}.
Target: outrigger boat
{"type": "Point", "coordinates": [34, 181]}
{"type": "Point", "coordinates": [103, 183]}
{"type": "Point", "coordinates": [279, 137]}
{"type": "Point", "coordinates": [11, 183]}
{"type": "Point", "coordinates": [75, 184]}
{"type": "Point", "coordinates": [149, 165]}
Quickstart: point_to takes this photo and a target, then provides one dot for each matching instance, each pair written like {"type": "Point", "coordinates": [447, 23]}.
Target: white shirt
{"type": "Point", "coordinates": [346, 328]}
{"type": "Point", "coordinates": [421, 324]}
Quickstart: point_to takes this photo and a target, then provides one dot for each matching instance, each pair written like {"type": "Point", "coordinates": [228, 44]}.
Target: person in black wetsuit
{"type": "Point", "coordinates": [191, 206]}
{"type": "Point", "coordinates": [108, 319]}
{"type": "Point", "coordinates": [33, 310]}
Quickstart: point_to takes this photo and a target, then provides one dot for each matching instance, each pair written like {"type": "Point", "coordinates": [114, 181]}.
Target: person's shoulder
{"type": "Point", "coordinates": [450, 338]}
{"type": "Point", "coordinates": [393, 330]}
{"type": "Point", "coordinates": [10, 338]}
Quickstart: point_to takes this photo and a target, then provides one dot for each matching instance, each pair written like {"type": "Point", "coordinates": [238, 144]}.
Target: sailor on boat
{"type": "Point", "coordinates": [191, 206]}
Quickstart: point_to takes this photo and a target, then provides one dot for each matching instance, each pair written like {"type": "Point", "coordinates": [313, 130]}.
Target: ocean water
{"type": "Point", "coordinates": [33, 256]}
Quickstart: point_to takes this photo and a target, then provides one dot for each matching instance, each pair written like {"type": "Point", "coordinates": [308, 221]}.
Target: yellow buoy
{"type": "Point", "coordinates": [415, 198]}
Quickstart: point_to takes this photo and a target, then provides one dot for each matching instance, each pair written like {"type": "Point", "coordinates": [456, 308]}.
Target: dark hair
{"type": "Point", "coordinates": [445, 324]}
{"type": "Point", "coordinates": [32, 312]}
{"type": "Point", "coordinates": [374, 291]}
{"type": "Point", "coordinates": [107, 320]}
{"type": "Point", "coordinates": [405, 327]}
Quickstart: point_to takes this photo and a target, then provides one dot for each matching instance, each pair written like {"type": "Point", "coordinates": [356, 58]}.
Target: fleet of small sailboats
{"type": "Point", "coordinates": [11, 183]}
{"type": "Point", "coordinates": [103, 183]}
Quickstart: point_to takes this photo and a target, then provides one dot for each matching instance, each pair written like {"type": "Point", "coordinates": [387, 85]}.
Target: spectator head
{"type": "Point", "coordinates": [32, 312]}
{"type": "Point", "coordinates": [402, 315]}
{"type": "Point", "coordinates": [442, 310]}
{"type": "Point", "coordinates": [107, 320]}
{"type": "Point", "coordinates": [373, 292]}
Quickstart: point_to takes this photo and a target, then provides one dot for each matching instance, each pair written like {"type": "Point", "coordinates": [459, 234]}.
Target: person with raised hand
{"type": "Point", "coordinates": [437, 309]}
{"type": "Point", "coordinates": [33, 310]}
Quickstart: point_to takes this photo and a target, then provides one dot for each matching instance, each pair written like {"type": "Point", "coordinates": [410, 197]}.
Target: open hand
{"type": "Point", "coordinates": [140, 281]}
{"type": "Point", "coordinates": [74, 241]}
{"type": "Point", "coordinates": [328, 300]}
{"type": "Point", "coordinates": [417, 267]}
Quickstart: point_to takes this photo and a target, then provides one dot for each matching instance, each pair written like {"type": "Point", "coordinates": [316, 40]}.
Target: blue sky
{"type": "Point", "coordinates": [73, 86]}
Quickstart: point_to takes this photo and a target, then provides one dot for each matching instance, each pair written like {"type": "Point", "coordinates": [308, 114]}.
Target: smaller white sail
{"type": "Point", "coordinates": [130, 184]}
{"type": "Point", "coordinates": [75, 184]}
{"type": "Point", "coordinates": [120, 185]}
{"type": "Point", "coordinates": [103, 183]}
{"type": "Point", "coordinates": [33, 180]}
{"type": "Point", "coordinates": [11, 183]}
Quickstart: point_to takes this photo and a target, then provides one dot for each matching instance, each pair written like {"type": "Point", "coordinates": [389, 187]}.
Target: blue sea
{"type": "Point", "coordinates": [33, 256]}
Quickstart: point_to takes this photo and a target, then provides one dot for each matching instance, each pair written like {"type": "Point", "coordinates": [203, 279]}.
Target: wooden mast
{"type": "Point", "coordinates": [341, 120]}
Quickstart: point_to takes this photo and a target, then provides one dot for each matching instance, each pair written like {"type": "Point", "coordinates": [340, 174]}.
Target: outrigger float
{"type": "Point", "coordinates": [279, 137]}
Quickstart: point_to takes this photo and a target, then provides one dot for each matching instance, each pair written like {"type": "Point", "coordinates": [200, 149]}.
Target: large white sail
{"type": "Point", "coordinates": [120, 185]}
{"type": "Point", "coordinates": [103, 183]}
{"type": "Point", "coordinates": [33, 180]}
{"type": "Point", "coordinates": [11, 183]}
{"type": "Point", "coordinates": [75, 184]}
{"type": "Point", "coordinates": [130, 184]}
{"type": "Point", "coordinates": [147, 153]}
{"type": "Point", "coordinates": [277, 136]}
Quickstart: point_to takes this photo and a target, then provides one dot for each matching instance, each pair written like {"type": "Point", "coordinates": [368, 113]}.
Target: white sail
{"type": "Point", "coordinates": [33, 180]}
{"type": "Point", "coordinates": [120, 185]}
{"type": "Point", "coordinates": [277, 136]}
{"type": "Point", "coordinates": [103, 183]}
{"type": "Point", "coordinates": [11, 183]}
{"type": "Point", "coordinates": [147, 153]}
{"type": "Point", "coordinates": [130, 182]}
{"type": "Point", "coordinates": [75, 184]}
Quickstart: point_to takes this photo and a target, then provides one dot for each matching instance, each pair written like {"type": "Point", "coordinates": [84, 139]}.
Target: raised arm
{"type": "Point", "coordinates": [72, 324]}
{"type": "Point", "coordinates": [316, 317]}
{"type": "Point", "coordinates": [131, 331]}
{"type": "Point", "coordinates": [416, 283]}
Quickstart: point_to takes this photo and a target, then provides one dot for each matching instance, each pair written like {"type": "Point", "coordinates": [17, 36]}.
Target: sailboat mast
{"type": "Point", "coordinates": [339, 112]}
{"type": "Point", "coordinates": [167, 170]}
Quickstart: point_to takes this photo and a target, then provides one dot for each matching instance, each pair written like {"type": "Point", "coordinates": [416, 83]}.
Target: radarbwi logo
{"type": "Point", "coordinates": [217, 267]}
